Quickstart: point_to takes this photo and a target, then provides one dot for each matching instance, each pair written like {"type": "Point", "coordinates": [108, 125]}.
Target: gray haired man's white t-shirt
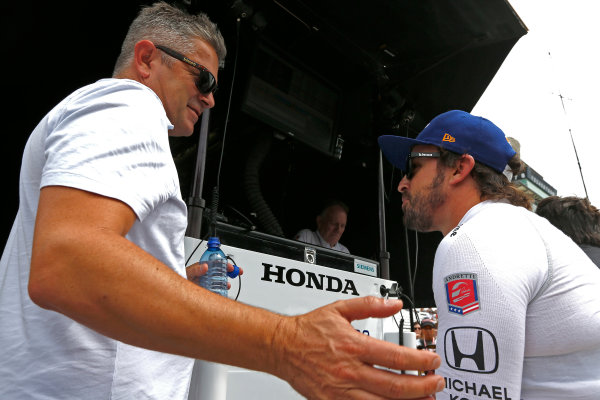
{"type": "Point", "coordinates": [109, 138]}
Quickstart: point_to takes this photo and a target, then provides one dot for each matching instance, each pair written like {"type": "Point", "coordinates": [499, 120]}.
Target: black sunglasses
{"type": "Point", "coordinates": [206, 82]}
{"type": "Point", "coordinates": [417, 154]}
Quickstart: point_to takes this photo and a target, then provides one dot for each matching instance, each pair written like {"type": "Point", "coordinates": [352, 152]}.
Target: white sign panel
{"type": "Point", "coordinates": [287, 287]}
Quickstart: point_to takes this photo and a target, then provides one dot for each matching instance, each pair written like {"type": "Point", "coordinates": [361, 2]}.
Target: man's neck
{"type": "Point", "coordinates": [460, 200]}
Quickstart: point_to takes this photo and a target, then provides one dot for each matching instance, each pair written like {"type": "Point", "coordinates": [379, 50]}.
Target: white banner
{"type": "Point", "coordinates": [287, 287]}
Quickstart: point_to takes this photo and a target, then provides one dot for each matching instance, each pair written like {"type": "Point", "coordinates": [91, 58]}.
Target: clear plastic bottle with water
{"type": "Point", "coordinates": [215, 279]}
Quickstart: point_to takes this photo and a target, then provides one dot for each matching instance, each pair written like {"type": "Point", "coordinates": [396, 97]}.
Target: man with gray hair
{"type": "Point", "coordinates": [331, 224]}
{"type": "Point", "coordinates": [94, 303]}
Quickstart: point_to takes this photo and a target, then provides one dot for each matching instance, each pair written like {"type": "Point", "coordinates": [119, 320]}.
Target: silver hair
{"type": "Point", "coordinates": [172, 27]}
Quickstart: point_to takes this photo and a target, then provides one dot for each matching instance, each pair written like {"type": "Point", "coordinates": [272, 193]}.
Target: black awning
{"type": "Point", "coordinates": [429, 56]}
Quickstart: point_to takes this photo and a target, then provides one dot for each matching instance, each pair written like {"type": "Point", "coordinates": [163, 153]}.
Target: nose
{"type": "Point", "coordinates": [207, 99]}
{"type": "Point", "coordinates": [403, 185]}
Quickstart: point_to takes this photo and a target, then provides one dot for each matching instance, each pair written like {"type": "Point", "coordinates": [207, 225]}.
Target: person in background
{"type": "Point", "coordinates": [577, 218]}
{"type": "Point", "coordinates": [331, 223]}
{"type": "Point", "coordinates": [428, 337]}
{"type": "Point", "coordinates": [501, 273]}
{"type": "Point", "coordinates": [94, 300]}
{"type": "Point", "coordinates": [417, 330]}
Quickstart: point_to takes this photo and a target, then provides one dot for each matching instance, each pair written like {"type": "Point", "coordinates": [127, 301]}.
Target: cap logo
{"type": "Point", "coordinates": [448, 138]}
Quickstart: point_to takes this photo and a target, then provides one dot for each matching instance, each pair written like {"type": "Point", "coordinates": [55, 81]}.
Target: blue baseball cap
{"type": "Point", "coordinates": [456, 131]}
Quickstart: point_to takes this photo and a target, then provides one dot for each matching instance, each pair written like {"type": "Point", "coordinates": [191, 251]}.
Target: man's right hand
{"type": "Point", "coordinates": [324, 357]}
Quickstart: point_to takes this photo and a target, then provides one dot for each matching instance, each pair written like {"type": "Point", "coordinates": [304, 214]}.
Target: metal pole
{"type": "Point", "coordinates": [196, 203]}
{"type": "Point", "coordinates": [384, 255]}
{"type": "Point", "coordinates": [578, 164]}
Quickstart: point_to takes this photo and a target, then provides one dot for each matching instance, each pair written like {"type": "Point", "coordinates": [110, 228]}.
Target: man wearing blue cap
{"type": "Point", "coordinates": [501, 274]}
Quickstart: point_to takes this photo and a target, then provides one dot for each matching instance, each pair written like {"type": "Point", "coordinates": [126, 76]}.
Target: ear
{"type": "Point", "coordinates": [144, 54]}
{"type": "Point", "coordinates": [463, 168]}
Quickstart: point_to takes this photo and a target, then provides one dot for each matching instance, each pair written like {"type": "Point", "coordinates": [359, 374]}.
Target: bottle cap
{"type": "Point", "coordinates": [214, 241]}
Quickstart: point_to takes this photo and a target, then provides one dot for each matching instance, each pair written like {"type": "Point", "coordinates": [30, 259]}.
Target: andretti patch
{"type": "Point", "coordinates": [461, 293]}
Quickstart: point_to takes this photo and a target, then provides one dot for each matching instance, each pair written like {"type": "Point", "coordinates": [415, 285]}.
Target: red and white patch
{"type": "Point", "coordinates": [461, 293]}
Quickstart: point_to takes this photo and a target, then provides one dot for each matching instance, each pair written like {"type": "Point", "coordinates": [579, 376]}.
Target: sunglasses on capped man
{"type": "Point", "coordinates": [409, 164]}
{"type": "Point", "coordinates": [206, 82]}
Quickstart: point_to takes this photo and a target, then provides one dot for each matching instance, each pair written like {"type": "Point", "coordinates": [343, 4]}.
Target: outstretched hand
{"type": "Point", "coordinates": [196, 270]}
{"type": "Point", "coordinates": [324, 357]}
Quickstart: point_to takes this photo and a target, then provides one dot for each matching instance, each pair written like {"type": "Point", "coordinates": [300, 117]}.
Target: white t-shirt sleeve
{"type": "Point", "coordinates": [134, 129]}
{"type": "Point", "coordinates": [305, 235]}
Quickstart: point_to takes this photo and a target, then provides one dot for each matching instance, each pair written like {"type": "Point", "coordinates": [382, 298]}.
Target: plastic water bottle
{"type": "Point", "coordinates": [215, 279]}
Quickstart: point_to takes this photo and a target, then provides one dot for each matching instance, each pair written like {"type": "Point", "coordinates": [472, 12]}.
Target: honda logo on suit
{"type": "Point", "coordinates": [471, 349]}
